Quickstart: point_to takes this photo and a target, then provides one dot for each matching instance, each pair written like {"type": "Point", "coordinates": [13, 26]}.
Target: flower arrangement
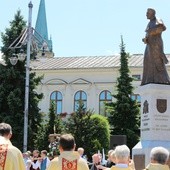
{"type": "Point", "coordinates": [53, 146]}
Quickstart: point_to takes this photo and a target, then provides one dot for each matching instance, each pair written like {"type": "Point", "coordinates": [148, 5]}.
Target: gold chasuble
{"type": "Point", "coordinates": [10, 157]}
{"type": "Point", "coordinates": [68, 160]}
{"type": "Point", "coordinates": [3, 153]}
{"type": "Point", "coordinates": [120, 168]}
{"type": "Point", "coordinates": [155, 166]}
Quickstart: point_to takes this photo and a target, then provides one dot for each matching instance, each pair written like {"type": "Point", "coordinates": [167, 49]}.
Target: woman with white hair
{"type": "Point", "coordinates": [159, 157]}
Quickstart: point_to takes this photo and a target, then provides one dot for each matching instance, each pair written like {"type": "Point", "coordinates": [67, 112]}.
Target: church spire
{"type": "Point", "coordinates": [41, 31]}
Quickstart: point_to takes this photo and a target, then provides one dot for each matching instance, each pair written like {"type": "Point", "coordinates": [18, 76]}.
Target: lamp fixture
{"type": "Point", "coordinates": [15, 57]}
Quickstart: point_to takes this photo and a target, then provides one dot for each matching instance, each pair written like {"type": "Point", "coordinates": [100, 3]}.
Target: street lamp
{"type": "Point", "coordinates": [15, 57]}
{"type": "Point", "coordinates": [21, 56]}
{"type": "Point", "coordinates": [30, 6]}
{"type": "Point", "coordinates": [27, 37]}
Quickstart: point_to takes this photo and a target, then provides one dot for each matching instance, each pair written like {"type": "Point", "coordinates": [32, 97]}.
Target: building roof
{"type": "Point", "coordinates": [86, 62]}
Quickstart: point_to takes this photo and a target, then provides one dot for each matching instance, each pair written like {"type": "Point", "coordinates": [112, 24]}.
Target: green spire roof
{"type": "Point", "coordinates": [41, 31]}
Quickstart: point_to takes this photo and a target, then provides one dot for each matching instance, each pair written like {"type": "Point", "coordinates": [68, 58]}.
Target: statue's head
{"type": "Point", "coordinates": [150, 13]}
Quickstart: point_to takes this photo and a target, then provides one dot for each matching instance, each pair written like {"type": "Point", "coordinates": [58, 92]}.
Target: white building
{"type": "Point", "coordinates": [92, 79]}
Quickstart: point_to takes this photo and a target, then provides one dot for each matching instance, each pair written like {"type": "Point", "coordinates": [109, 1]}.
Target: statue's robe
{"type": "Point", "coordinates": [154, 69]}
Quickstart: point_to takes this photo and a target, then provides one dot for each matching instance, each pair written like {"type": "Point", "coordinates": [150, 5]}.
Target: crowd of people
{"type": "Point", "coordinates": [11, 158]}
{"type": "Point", "coordinates": [36, 160]}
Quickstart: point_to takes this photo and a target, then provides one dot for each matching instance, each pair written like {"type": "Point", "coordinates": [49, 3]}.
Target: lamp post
{"type": "Point", "coordinates": [30, 6]}
{"type": "Point", "coordinates": [18, 43]}
{"type": "Point", "coordinates": [21, 56]}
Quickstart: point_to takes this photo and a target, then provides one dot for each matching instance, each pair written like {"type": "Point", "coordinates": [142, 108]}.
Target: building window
{"type": "Point", "coordinates": [80, 96]}
{"type": "Point", "coordinates": [136, 97]}
{"type": "Point", "coordinates": [104, 97]}
{"type": "Point", "coordinates": [56, 97]}
{"type": "Point", "coordinates": [136, 77]}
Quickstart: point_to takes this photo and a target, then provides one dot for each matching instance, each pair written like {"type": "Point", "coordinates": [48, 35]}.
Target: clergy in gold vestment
{"type": "Point", "coordinates": [157, 167]}
{"type": "Point", "coordinates": [10, 157]}
{"type": "Point", "coordinates": [120, 168]}
{"type": "Point", "coordinates": [68, 159]}
{"type": "Point", "coordinates": [159, 157]}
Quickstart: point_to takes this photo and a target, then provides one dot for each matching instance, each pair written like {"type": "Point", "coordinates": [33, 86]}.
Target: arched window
{"type": "Point", "coordinates": [56, 97]}
{"type": "Point", "coordinates": [104, 97]}
{"type": "Point", "coordinates": [80, 96]}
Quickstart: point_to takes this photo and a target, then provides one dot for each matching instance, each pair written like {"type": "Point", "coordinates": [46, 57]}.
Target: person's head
{"type": "Point", "coordinates": [43, 153]}
{"type": "Point", "coordinates": [96, 158]}
{"type": "Point", "coordinates": [80, 151]}
{"type": "Point", "coordinates": [159, 155]}
{"type": "Point", "coordinates": [122, 154]}
{"type": "Point", "coordinates": [150, 13]}
{"type": "Point", "coordinates": [5, 130]}
{"type": "Point", "coordinates": [109, 154]}
{"type": "Point", "coordinates": [27, 154]}
{"type": "Point", "coordinates": [66, 142]}
{"type": "Point", "coordinates": [113, 156]}
{"type": "Point", "coordinates": [35, 153]}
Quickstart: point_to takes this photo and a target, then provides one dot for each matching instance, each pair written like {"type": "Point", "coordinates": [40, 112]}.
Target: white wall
{"type": "Point", "coordinates": [68, 82]}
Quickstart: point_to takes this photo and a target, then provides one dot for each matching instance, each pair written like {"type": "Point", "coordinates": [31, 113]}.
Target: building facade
{"type": "Point", "coordinates": [90, 79]}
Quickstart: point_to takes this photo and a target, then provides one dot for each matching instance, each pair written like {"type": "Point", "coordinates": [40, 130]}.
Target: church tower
{"type": "Point", "coordinates": [41, 32]}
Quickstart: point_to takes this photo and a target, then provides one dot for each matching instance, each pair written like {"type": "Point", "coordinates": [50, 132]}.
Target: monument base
{"type": "Point", "coordinates": [155, 122]}
{"type": "Point", "coordinates": [141, 152]}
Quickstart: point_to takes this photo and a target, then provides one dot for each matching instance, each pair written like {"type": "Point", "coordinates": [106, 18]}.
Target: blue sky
{"type": "Point", "coordinates": [92, 27]}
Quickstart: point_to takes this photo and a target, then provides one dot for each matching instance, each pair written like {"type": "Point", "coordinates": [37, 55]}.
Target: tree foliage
{"type": "Point", "coordinates": [101, 132]}
{"type": "Point", "coordinates": [91, 131]}
{"type": "Point", "coordinates": [52, 124]}
{"type": "Point", "coordinates": [124, 112]}
{"type": "Point", "coordinates": [12, 88]}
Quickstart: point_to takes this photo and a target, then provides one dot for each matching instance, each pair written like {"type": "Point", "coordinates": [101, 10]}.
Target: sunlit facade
{"type": "Point", "coordinates": [90, 79]}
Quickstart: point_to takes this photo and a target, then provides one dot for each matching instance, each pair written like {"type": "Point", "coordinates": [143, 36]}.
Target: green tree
{"type": "Point", "coordinates": [101, 134]}
{"type": "Point", "coordinates": [42, 140]}
{"type": "Point", "coordinates": [52, 124]}
{"type": "Point", "coordinates": [91, 131]}
{"type": "Point", "coordinates": [124, 112]}
{"type": "Point", "coordinates": [12, 89]}
{"type": "Point", "coordinates": [52, 118]}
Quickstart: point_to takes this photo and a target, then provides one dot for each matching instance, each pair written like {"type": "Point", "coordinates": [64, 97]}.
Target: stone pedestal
{"type": "Point", "coordinates": [155, 120]}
